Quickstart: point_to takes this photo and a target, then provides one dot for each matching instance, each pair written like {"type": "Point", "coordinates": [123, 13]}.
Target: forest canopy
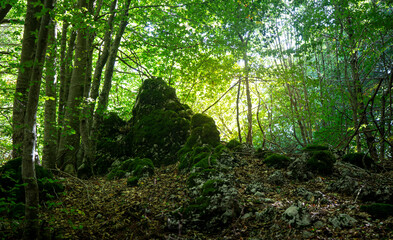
{"type": "Point", "coordinates": [276, 75]}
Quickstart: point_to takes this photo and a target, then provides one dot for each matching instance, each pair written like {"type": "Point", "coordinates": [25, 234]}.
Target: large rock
{"type": "Point", "coordinates": [160, 124]}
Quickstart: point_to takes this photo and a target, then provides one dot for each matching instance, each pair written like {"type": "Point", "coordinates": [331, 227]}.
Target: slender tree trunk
{"type": "Point", "coordinates": [65, 78]}
{"type": "Point", "coordinates": [30, 138]}
{"type": "Point", "coordinates": [104, 96]}
{"type": "Point", "coordinates": [23, 80]}
{"type": "Point", "coordinates": [239, 130]}
{"type": "Point", "coordinates": [50, 132]}
{"type": "Point", "coordinates": [70, 137]}
{"type": "Point", "coordinates": [91, 93]}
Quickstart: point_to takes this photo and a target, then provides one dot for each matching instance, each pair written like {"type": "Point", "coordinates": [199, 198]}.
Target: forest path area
{"type": "Point", "coordinates": [101, 209]}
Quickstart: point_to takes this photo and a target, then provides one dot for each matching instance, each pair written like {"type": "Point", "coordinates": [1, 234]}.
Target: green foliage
{"type": "Point", "coordinates": [12, 194]}
{"type": "Point", "coordinates": [277, 161]}
{"type": "Point", "coordinates": [359, 159]}
{"type": "Point", "coordinates": [321, 161]}
{"type": "Point", "coordinates": [137, 167]}
{"type": "Point", "coordinates": [378, 210]}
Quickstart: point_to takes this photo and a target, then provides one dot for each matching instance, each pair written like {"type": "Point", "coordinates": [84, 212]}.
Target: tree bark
{"type": "Point", "coordinates": [237, 111]}
{"type": "Point", "coordinates": [70, 136]}
{"type": "Point", "coordinates": [50, 132]}
{"type": "Point", "coordinates": [30, 138]}
{"type": "Point", "coordinates": [23, 80]}
{"type": "Point", "coordinates": [65, 76]}
{"type": "Point", "coordinates": [4, 11]}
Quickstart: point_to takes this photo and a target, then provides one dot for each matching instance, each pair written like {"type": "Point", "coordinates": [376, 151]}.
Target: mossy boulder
{"type": "Point", "coordinates": [136, 167]}
{"type": "Point", "coordinates": [203, 147]}
{"type": "Point", "coordinates": [359, 159]}
{"type": "Point", "coordinates": [378, 210]}
{"type": "Point", "coordinates": [233, 144]}
{"type": "Point", "coordinates": [160, 124]}
{"type": "Point", "coordinates": [12, 194]}
{"type": "Point", "coordinates": [109, 138]}
{"type": "Point", "coordinates": [203, 131]}
{"type": "Point", "coordinates": [321, 161]}
{"type": "Point", "coordinates": [277, 161]}
{"type": "Point", "coordinates": [203, 157]}
{"type": "Point", "coordinates": [110, 144]}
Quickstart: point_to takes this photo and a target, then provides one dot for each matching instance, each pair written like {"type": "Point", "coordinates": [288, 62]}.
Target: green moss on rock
{"type": "Point", "coordinates": [137, 167]}
{"type": "Point", "coordinates": [233, 144]}
{"type": "Point", "coordinates": [160, 124]}
{"type": "Point", "coordinates": [359, 159]}
{"type": "Point", "coordinates": [277, 161]}
{"type": "Point", "coordinates": [378, 210]}
{"type": "Point", "coordinates": [109, 132]}
{"type": "Point", "coordinates": [203, 131]}
{"type": "Point", "coordinates": [132, 181]}
{"type": "Point", "coordinates": [315, 147]}
{"type": "Point", "coordinates": [321, 161]}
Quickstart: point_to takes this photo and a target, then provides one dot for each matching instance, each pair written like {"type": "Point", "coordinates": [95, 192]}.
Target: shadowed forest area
{"type": "Point", "coordinates": [196, 119]}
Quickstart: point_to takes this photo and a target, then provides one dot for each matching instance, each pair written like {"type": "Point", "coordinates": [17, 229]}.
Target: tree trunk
{"type": "Point", "coordinates": [50, 136]}
{"type": "Point", "coordinates": [65, 77]}
{"type": "Point", "coordinates": [22, 83]}
{"type": "Point", "coordinates": [104, 96]}
{"type": "Point", "coordinates": [4, 11]}
{"type": "Point", "coordinates": [29, 141]}
{"type": "Point", "coordinates": [239, 130]}
{"type": "Point", "coordinates": [70, 136]}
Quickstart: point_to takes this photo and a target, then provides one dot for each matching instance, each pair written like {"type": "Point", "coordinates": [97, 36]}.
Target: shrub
{"type": "Point", "coordinates": [277, 161]}
{"type": "Point", "coordinates": [359, 159]}
{"type": "Point", "coordinates": [12, 194]}
{"type": "Point", "coordinates": [321, 161]}
{"type": "Point", "coordinates": [378, 210]}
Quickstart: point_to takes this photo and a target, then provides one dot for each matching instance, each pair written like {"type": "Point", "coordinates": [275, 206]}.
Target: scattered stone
{"type": "Point", "coordinates": [342, 221]}
{"type": "Point", "coordinates": [307, 234]}
{"type": "Point", "coordinates": [268, 214]}
{"type": "Point", "coordinates": [298, 170]}
{"type": "Point", "coordinates": [277, 178]}
{"type": "Point", "coordinates": [297, 215]}
{"type": "Point", "coordinates": [345, 169]}
{"type": "Point", "coordinates": [346, 185]}
{"type": "Point", "coordinates": [319, 224]}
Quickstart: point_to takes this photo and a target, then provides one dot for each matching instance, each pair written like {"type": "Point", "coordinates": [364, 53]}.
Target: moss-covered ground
{"type": "Point", "coordinates": [109, 209]}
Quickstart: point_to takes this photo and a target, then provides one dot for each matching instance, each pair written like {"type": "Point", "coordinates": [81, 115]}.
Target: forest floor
{"type": "Point", "coordinates": [101, 209]}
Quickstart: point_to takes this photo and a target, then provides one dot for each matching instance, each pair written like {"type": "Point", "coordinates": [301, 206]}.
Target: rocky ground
{"type": "Point", "coordinates": [271, 208]}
